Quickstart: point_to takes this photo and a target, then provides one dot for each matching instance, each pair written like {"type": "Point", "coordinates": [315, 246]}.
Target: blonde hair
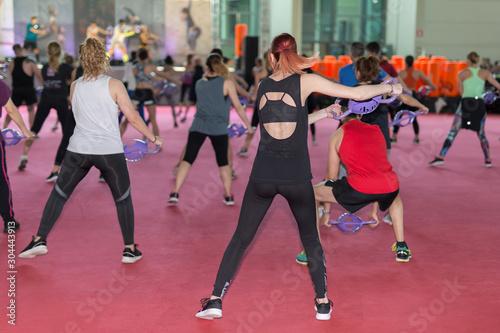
{"type": "Point", "coordinates": [54, 51]}
{"type": "Point", "coordinates": [473, 57]}
{"type": "Point", "coordinates": [93, 58]}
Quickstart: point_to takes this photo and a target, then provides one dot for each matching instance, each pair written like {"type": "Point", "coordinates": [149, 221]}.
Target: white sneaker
{"type": "Point", "coordinates": [22, 162]}
{"type": "Point", "coordinates": [387, 219]}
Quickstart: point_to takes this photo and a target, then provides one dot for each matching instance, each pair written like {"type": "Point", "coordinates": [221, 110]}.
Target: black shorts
{"type": "Point", "coordinates": [143, 96]}
{"type": "Point", "coordinates": [473, 111]}
{"type": "Point", "coordinates": [29, 45]}
{"type": "Point", "coordinates": [353, 200]}
{"type": "Point", "coordinates": [23, 94]}
{"type": "Point", "coordinates": [195, 141]}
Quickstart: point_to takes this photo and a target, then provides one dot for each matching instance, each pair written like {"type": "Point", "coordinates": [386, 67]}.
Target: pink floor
{"type": "Point", "coordinates": [450, 285]}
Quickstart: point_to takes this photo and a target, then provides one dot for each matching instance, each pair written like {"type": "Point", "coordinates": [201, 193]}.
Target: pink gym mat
{"type": "Point", "coordinates": [450, 285]}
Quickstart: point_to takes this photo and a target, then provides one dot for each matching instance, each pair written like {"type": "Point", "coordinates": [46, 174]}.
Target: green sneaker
{"type": "Point", "coordinates": [403, 254]}
{"type": "Point", "coordinates": [301, 258]}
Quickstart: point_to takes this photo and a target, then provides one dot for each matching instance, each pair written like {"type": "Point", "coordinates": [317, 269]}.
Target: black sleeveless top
{"type": "Point", "coordinates": [284, 161]}
{"type": "Point", "coordinates": [379, 117]}
{"type": "Point", "coordinates": [19, 77]}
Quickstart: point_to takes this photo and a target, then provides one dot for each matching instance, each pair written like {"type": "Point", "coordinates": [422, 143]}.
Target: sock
{"type": "Point", "coordinates": [402, 244]}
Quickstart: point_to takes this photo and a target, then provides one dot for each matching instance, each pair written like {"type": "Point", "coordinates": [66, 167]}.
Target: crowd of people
{"type": "Point", "coordinates": [359, 172]}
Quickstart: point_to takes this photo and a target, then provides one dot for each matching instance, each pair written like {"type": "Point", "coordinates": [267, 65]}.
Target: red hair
{"type": "Point", "coordinates": [284, 50]}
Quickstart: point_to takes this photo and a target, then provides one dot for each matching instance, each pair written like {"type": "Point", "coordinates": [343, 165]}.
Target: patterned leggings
{"type": "Point", "coordinates": [455, 127]}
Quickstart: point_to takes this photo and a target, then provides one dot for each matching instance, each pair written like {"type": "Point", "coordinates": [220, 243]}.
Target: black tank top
{"type": "Point", "coordinates": [19, 77]}
{"type": "Point", "coordinates": [379, 117]}
{"type": "Point", "coordinates": [284, 161]}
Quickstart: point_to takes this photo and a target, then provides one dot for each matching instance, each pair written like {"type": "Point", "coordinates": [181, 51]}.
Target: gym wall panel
{"type": "Point", "coordinates": [453, 28]}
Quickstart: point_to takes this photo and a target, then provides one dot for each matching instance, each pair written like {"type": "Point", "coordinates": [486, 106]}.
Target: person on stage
{"type": "Point", "coordinates": [119, 33]}
{"type": "Point", "coordinates": [94, 31]}
{"type": "Point", "coordinates": [33, 29]}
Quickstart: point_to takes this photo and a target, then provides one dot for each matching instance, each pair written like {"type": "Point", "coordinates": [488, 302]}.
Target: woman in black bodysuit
{"type": "Point", "coordinates": [282, 165]}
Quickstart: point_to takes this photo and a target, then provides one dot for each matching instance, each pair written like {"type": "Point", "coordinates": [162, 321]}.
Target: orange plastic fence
{"type": "Point", "coordinates": [240, 31]}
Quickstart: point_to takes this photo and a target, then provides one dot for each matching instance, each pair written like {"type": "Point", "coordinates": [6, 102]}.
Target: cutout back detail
{"type": "Point", "coordinates": [282, 122]}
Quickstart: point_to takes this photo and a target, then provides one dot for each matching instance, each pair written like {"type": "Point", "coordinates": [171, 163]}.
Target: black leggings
{"type": "Point", "coordinates": [257, 200]}
{"type": "Point", "coordinates": [6, 208]}
{"type": "Point", "coordinates": [61, 106]}
{"type": "Point", "coordinates": [195, 141]}
{"type": "Point", "coordinates": [74, 168]}
{"type": "Point", "coordinates": [416, 128]}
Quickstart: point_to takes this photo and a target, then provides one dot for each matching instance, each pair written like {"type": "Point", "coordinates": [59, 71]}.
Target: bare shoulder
{"type": "Point", "coordinates": [483, 73]}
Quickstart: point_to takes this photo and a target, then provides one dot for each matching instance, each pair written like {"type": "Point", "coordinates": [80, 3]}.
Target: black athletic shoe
{"type": "Point", "coordinates": [210, 309]}
{"type": "Point", "coordinates": [34, 249]}
{"type": "Point", "coordinates": [403, 254]}
{"type": "Point", "coordinates": [228, 201]}
{"type": "Point", "coordinates": [129, 256]}
{"type": "Point", "coordinates": [53, 177]}
{"type": "Point", "coordinates": [11, 225]}
{"type": "Point", "coordinates": [323, 310]}
{"type": "Point", "coordinates": [173, 198]}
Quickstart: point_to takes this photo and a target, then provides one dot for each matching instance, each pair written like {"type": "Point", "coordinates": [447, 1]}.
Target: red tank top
{"type": "Point", "coordinates": [410, 81]}
{"type": "Point", "coordinates": [364, 153]}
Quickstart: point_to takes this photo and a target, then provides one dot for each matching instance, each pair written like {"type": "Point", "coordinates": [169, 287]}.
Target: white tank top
{"type": "Point", "coordinates": [96, 116]}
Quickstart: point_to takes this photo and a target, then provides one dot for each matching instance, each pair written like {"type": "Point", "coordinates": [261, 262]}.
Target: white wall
{"type": "Point", "coordinates": [453, 28]}
{"type": "Point", "coordinates": [401, 22]}
{"type": "Point", "coordinates": [286, 16]}
{"type": "Point", "coordinates": [6, 28]}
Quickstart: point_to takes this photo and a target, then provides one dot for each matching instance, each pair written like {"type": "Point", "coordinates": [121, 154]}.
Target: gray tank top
{"type": "Point", "coordinates": [141, 76]}
{"type": "Point", "coordinates": [212, 107]}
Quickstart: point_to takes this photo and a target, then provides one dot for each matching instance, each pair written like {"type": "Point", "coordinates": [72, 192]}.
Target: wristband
{"type": "Point", "coordinates": [155, 139]}
{"type": "Point", "coordinates": [326, 213]}
{"type": "Point", "coordinates": [392, 89]}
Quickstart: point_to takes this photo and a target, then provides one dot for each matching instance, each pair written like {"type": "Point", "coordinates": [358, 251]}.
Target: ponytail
{"type": "Point", "coordinates": [54, 51]}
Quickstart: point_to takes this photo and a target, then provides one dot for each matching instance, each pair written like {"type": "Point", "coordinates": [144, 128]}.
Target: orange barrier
{"type": "Point", "coordinates": [315, 66]}
{"type": "Point", "coordinates": [329, 58]}
{"type": "Point", "coordinates": [422, 58]}
{"type": "Point", "coordinates": [462, 65]}
{"type": "Point", "coordinates": [434, 69]}
{"type": "Point", "coordinates": [337, 65]}
{"type": "Point", "coordinates": [422, 65]}
{"type": "Point", "coordinates": [345, 60]}
{"type": "Point", "coordinates": [240, 31]}
{"type": "Point", "coordinates": [325, 68]}
{"type": "Point", "coordinates": [449, 79]}
{"type": "Point", "coordinates": [399, 62]}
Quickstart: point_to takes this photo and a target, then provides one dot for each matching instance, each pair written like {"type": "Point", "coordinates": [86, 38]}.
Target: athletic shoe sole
{"type": "Point", "coordinates": [209, 314]}
{"type": "Point", "coordinates": [52, 179]}
{"type": "Point", "coordinates": [230, 203]}
{"type": "Point", "coordinates": [402, 260]}
{"type": "Point", "coordinates": [173, 200]}
{"type": "Point", "coordinates": [34, 252]}
{"type": "Point", "coordinates": [436, 163]}
{"type": "Point", "coordinates": [323, 316]}
{"type": "Point", "coordinates": [301, 262]}
{"type": "Point", "coordinates": [130, 260]}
